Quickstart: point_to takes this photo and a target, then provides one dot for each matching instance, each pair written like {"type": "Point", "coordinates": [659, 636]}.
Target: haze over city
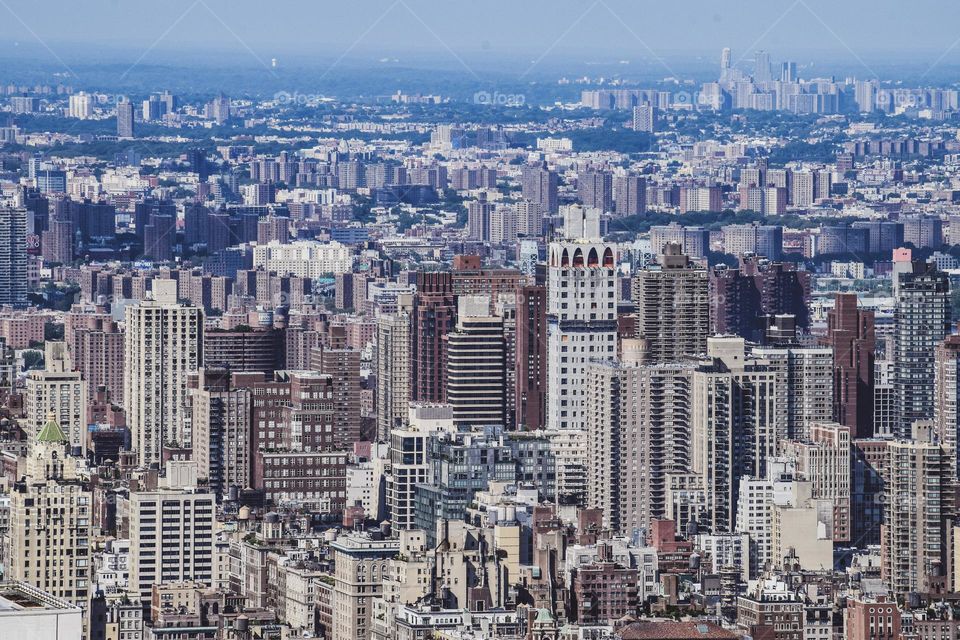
{"type": "Point", "coordinates": [424, 320]}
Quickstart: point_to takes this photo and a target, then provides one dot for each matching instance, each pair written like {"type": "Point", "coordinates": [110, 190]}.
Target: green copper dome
{"type": "Point", "coordinates": [51, 431]}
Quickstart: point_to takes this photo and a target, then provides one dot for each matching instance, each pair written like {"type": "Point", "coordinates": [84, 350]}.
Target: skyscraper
{"type": "Point", "coordinates": [645, 118]}
{"type": "Point", "coordinates": [540, 185]}
{"type": "Point", "coordinates": [80, 105]}
{"type": "Point", "coordinates": [822, 457]}
{"type": "Point", "coordinates": [581, 314]}
{"type": "Point", "coordinates": [476, 365]}
{"type": "Point", "coordinates": [434, 310]}
{"type": "Point", "coordinates": [163, 345]}
{"type": "Point", "coordinates": [125, 119]}
{"type": "Point", "coordinates": [851, 336]}
{"type": "Point", "coordinates": [921, 321]}
{"type": "Point", "coordinates": [531, 357]}
{"type": "Point", "coordinates": [673, 306]}
{"type": "Point", "coordinates": [595, 189]}
{"type": "Point", "coordinates": [762, 240]}
{"type": "Point", "coordinates": [638, 433]}
{"type": "Point", "coordinates": [13, 256]}
{"type": "Point", "coordinates": [219, 414]}
{"type": "Point", "coordinates": [393, 368]}
{"type": "Point", "coordinates": [918, 478]}
{"type": "Point", "coordinates": [171, 534]}
{"type": "Point", "coordinates": [733, 426]}
{"type": "Point", "coordinates": [761, 71]}
{"type": "Point", "coordinates": [629, 195]}
{"type": "Point", "coordinates": [726, 56]}
{"type": "Point", "coordinates": [803, 387]}
{"type": "Point", "coordinates": [946, 395]}
{"type": "Point", "coordinates": [581, 325]}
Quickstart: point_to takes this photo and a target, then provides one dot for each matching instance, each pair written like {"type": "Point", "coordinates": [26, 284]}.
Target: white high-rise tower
{"type": "Point", "coordinates": [163, 345]}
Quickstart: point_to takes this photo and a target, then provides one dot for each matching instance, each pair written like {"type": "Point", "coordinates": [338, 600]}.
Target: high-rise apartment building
{"type": "Point", "coordinates": [673, 306]}
{"type": "Point", "coordinates": [393, 364]}
{"type": "Point", "coordinates": [946, 395]}
{"type": "Point", "coordinates": [824, 460]}
{"type": "Point", "coordinates": [629, 195]}
{"type": "Point", "coordinates": [541, 185]}
{"type": "Point", "coordinates": [744, 299]}
{"type": "Point", "coordinates": [80, 105]}
{"type": "Point", "coordinates": [163, 345]}
{"type": "Point", "coordinates": [645, 118]}
{"type": "Point", "coordinates": [595, 190]}
{"type": "Point", "coordinates": [919, 486]}
{"type": "Point", "coordinates": [342, 365]}
{"type": "Point", "coordinates": [125, 119]}
{"type": "Point", "coordinates": [13, 256]}
{"type": "Point", "coordinates": [434, 313]}
{"type": "Point", "coordinates": [219, 414]}
{"type": "Point", "coordinates": [361, 561]}
{"type": "Point", "coordinates": [757, 239]}
{"type": "Point", "coordinates": [530, 363]}
{"type": "Point", "coordinates": [802, 189]}
{"type": "Point", "coordinates": [581, 316]}
{"type": "Point", "coordinates": [733, 426]}
{"type": "Point", "coordinates": [638, 433]}
{"type": "Point", "coordinates": [921, 321]}
{"type": "Point", "coordinates": [700, 198]}
{"type": "Point", "coordinates": [410, 460]}
{"type": "Point", "coordinates": [98, 357]}
{"type": "Point", "coordinates": [504, 225]}
{"type": "Point", "coordinates": [804, 387]}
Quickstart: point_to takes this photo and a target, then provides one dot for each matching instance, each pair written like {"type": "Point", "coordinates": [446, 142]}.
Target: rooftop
{"type": "Point", "coordinates": [17, 597]}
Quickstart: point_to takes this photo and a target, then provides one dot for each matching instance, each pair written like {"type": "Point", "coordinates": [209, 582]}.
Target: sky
{"type": "Point", "coordinates": [531, 35]}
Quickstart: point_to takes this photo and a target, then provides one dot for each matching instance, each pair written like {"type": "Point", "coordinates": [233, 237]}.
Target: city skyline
{"type": "Point", "coordinates": [410, 320]}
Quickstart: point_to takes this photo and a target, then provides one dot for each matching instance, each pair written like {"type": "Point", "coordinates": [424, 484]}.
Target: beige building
{"type": "Point", "coordinates": [800, 531]}
{"type": "Point", "coordinates": [467, 571]}
{"type": "Point", "coordinates": [50, 521]}
{"type": "Point", "coordinates": [919, 492]}
{"type": "Point", "coordinates": [638, 426]}
{"type": "Point", "coordinates": [58, 389]}
{"type": "Point", "coordinates": [304, 258]}
{"type": "Point", "coordinates": [733, 426]}
{"type": "Point", "coordinates": [824, 461]}
{"type": "Point", "coordinates": [393, 367]}
{"type": "Point", "coordinates": [946, 393]}
{"type": "Point", "coordinates": [163, 345]}
{"type": "Point", "coordinates": [804, 387]}
{"type": "Point", "coordinates": [361, 560]}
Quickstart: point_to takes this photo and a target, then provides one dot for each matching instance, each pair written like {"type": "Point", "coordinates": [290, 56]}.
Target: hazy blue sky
{"type": "Point", "coordinates": [545, 32]}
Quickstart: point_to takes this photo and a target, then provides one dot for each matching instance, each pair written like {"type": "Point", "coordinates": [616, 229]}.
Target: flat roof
{"type": "Point", "coordinates": [19, 596]}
